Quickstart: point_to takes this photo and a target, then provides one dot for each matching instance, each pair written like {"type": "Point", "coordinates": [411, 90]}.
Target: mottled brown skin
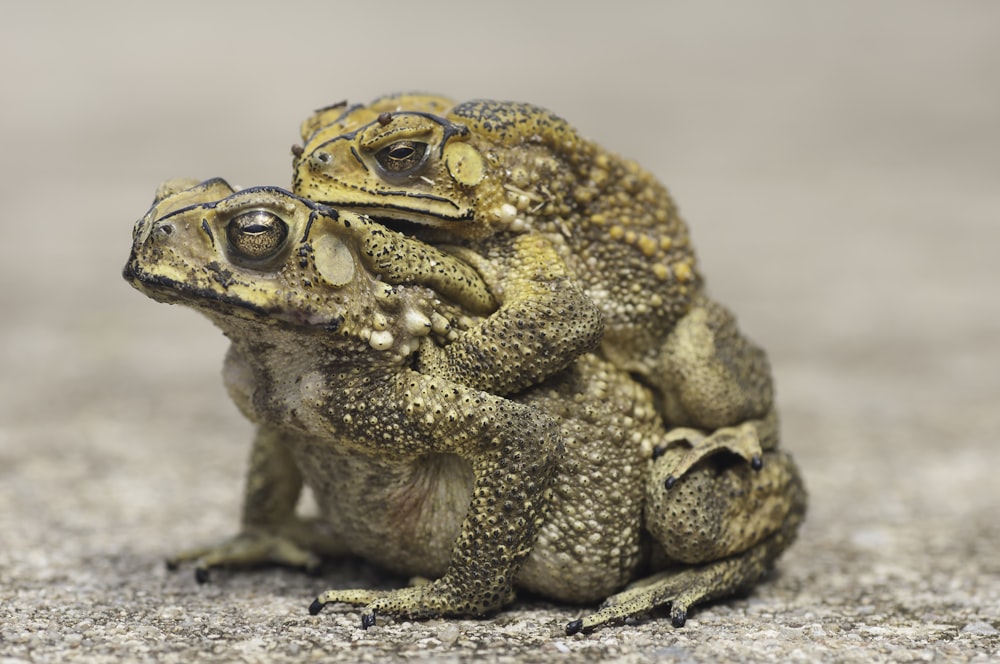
{"type": "Point", "coordinates": [321, 360]}
{"type": "Point", "coordinates": [537, 284]}
{"type": "Point", "coordinates": [487, 174]}
{"type": "Point", "coordinates": [570, 489]}
{"type": "Point", "coordinates": [462, 173]}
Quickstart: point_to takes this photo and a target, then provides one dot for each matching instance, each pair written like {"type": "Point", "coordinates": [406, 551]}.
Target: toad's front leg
{"type": "Point", "coordinates": [270, 532]}
{"type": "Point", "coordinates": [545, 320]}
{"type": "Point", "coordinates": [512, 449]}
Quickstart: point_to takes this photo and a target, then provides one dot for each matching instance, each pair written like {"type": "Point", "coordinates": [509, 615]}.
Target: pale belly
{"type": "Point", "coordinates": [404, 516]}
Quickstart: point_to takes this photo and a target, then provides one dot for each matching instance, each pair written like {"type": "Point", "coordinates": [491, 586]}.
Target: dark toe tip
{"type": "Point", "coordinates": [315, 607]}
{"type": "Point", "coordinates": [679, 618]}
{"type": "Point", "coordinates": [757, 462]}
{"type": "Point", "coordinates": [367, 620]}
{"type": "Point", "coordinates": [669, 483]}
{"type": "Point", "coordinates": [574, 627]}
{"type": "Point", "coordinates": [201, 575]}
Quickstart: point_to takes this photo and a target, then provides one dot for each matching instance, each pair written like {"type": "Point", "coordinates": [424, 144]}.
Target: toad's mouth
{"type": "Point", "coordinates": [412, 223]}
{"type": "Point", "coordinates": [167, 290]}
{"type": "Point", "coordinates": [406, 226]}
{"type": "Point", "coordinates": [214, 302]}
{"type": "Point", "coordinates": [418, 217]}
{"type": "Point", "coordinates": [404, 211]}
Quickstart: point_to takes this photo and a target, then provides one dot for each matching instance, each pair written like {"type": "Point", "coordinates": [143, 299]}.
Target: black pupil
{"type": "Point", "coordinates": [402, 152]}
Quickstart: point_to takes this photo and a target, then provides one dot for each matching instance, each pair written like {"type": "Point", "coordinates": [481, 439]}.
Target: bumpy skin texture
{"type": "Point", "coordinates": [538, 285]}
{"type": "Point", "coordinates": [502, 170]}
{"type": "Point", "coordinates": [488, 174]}
{"type": "Point", "coordinates": [340, 354]}
{"type": "Point", "coordinates": [320, 359]}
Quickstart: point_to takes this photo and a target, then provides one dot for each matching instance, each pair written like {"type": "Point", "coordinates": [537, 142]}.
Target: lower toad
{"type": "Point", "coordinates": [571, 489]}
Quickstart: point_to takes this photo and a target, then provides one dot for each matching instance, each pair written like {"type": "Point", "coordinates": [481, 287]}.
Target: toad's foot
{"type": "Point", "coordinates": [678, 590]}
{"type": "Point", "coordinates": [744, 441]}
{"type": "Point", "coordinates": [431, 600]}
{"type": "Point", "coordinates": [296, 544]}
{"type": "Point", "coordinates": [683, 588]}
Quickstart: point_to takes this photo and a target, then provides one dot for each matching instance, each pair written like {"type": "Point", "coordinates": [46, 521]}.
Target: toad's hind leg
{"type": "Point", "coordinates": [723, 522]}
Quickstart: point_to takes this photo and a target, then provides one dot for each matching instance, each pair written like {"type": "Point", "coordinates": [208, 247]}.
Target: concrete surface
{"type": "Point", "coordinates": [839, 164]}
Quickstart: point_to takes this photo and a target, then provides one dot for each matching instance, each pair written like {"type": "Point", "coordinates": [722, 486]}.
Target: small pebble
{"type": "Point", "coordinates": [980, 627]}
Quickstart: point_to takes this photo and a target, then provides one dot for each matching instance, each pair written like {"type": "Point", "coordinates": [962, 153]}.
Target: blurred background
{"type": "Point", "coordinates": [838, 163]}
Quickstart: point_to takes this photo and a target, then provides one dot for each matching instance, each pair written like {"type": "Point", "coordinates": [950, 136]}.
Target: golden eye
{"type": "Point", "coordinates": [401, 158]}
{"type": "Point", "coordinates": [256, 236]}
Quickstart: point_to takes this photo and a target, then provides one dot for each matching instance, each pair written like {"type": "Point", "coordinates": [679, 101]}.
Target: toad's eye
{"type": "Point", "coordinates": [256, 236]}
{"type": "Point", "coordinates": [401, 159]}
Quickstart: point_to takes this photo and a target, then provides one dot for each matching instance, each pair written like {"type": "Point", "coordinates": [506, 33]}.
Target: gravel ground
{"type": "Point", "coordinates": [838, 164]}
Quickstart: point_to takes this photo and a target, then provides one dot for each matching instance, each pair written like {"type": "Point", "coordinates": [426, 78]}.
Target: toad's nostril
{"type": "Point", "coordinates": [323, 157]}
{"type": "Point", "coordinates": [164, 229]}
